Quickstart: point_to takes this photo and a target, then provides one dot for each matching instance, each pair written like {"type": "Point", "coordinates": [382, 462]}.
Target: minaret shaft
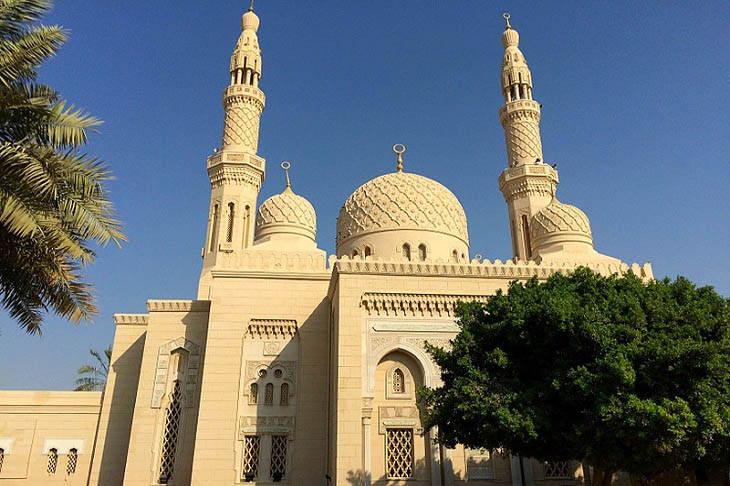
{"type": "Point", "coordinates": [528, 183]}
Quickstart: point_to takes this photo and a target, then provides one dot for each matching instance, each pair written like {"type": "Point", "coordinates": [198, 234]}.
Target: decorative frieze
{"type": "Point", "coordinates": [191, 374]}
{"type": "Point", "coordinates": [405, 416]}
{"type": "Point", "coordinates": [271, 329]}
{"type": "Point", "coordinates": [265, 425]}
{"type": "Point", "coordinates": [414, 305]}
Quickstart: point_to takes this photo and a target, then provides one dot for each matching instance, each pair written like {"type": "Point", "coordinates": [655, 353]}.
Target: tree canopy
{"type": "Point", "coordinates": [92, 377]}
{"type": "Point", "coordinates": [53, 199]}
{"type": "Point", "coordinates": [628, 375]}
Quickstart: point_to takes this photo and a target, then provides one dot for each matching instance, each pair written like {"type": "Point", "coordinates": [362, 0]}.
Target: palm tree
{"type": "Point", "coordinates": [53, 200]}
{"type": "Point", "coordinates": [93, 377]}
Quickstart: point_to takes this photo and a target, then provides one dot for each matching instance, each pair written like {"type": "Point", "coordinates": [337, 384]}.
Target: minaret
{"type": "Point", "coordinates": [528, 183]}
{"type": "Point", "coordinates": [236, 171]}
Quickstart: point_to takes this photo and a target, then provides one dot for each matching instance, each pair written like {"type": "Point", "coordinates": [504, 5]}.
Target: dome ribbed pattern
{"type": "Point", "coordinates": [557, 217]}
{"type": "Point", "coordinates": [401, 200]}
{"type": "Point", "coordinates": [287, 208]}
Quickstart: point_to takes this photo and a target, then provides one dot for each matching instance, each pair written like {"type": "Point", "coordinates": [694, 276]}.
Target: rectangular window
{"type": "Point", "coordinates": [251, 448]}
{"type": "Point", "coordinates": [278, 456]}
{"type": "Point", "coordinates": [52, 461]}
{"type": "Point", "coordinates": [71, 459]}
{"type": "Point", "coordinates": [399, 453]}
{"type": "Point", "coordinates": [558, 470]}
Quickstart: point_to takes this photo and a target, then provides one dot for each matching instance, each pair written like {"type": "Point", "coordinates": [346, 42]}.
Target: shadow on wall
{"type": "Point", "coordinates": [358, 477]}
{"type": "Point", "coordinates": [116, 443]}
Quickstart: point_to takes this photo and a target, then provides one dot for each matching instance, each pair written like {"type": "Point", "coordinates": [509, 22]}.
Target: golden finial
{"type": "Point", "coordinates": [506, 16]}
{"type": "Point", "coordinates": [250, 6]}
{"type": "Point", "coordinates": [399, 148]}
{"type": "Point", "coordinates": [285, 165]}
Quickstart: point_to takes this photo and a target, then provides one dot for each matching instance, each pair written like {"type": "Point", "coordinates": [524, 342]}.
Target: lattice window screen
{"type": "Point", "coordinates": [251, 448]}
{"type": "Point", "coordinates": [253, 395]}
{"type": "Point", "coordinates": [171, 434]}
{"type": "Point", "coordinates": [278, 455]}
{"type": "Point", "coordinates": [398, 381]}
{"type": "Point", "coordinates": [558, 470]}
{"type": "Point", "coordinates": [269, 394]}
{"type": "Point", "coordinates": [399, 453]}
{"type": "Point", "coordinates": [52, 461]}
{"type": "Point", "coordinates": [284, 398]}
{"type": "Point", "coordinates": [2, 458]}
{"type": "Point", "coordinates": [71, 460]}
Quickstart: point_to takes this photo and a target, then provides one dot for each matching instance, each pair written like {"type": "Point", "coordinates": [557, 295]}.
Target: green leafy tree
{"type": "Point", "coordinates": [53, 202]}
{"type": "Point", "coordinates": [93, 376]}
{"type": "Point", "coordinates": [627, 375]}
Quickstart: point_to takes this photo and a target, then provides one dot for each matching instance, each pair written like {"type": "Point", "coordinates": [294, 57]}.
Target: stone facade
{"type": "Point", "coordinates": [294, 367]}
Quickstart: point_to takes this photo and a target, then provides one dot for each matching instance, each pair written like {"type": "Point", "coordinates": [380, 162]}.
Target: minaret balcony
{"type": "Point", "coordinates": [519, 106]}
{"type": "Point", "coordinates": [244, 90]}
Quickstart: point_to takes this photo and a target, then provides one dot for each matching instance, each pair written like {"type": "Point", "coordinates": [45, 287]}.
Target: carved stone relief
{"type": "Point", "coordinates": [163, 361]}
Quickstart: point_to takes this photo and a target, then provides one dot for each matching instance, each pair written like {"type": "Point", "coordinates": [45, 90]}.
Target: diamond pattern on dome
{"type": "Point", "coordinates": [287, 208]}
{"type": "Point", "coordinates": [401, 200]}
{"type": "Point", "coordinates": [559, 217]}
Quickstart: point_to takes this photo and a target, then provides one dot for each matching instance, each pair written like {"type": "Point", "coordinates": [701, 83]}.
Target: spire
{"type": "Point", "coordinates": [286, 165]}
{"type": "Point", "coordinates": [399, 148]}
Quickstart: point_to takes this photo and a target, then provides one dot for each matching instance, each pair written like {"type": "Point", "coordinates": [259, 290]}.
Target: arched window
{"type": "Point", "coordinates": [368, 251]}
{"type": "Point", "coordinates": [231, 216]}
{"type": "Point", "coordinates": [246, 225]}
{"type": "Point", "coordinates": [455, 256]}
{"type": "Point", "coordinates": [170, 434]}
{"type": "Point", "coordinates": [355, 253]}
{"type": "Point", "coordinates": [269, 394]}
{"type": "Point", "coordinates": [422, 252]}
{"type": "Point", "coordinates": [253, 394]}
{"type": "Point", "coordinates": [284, 398]}
{"type": "Point", "coordinates": [526, 236]}
{"type": "Point", "coordinates": [71, 460]}
{"type": "Point", "coordinates": [2, 458]}
{"type": "Point", "coordinates": [519, 77]}
{"type": "Point", "coordinates": [406, 251]}
{"type": "Point", "coordinates": [52, 461]}
{"type": "Point", "coordinates": [399, 381]}
{"type": "Point", "coordinates": [213, 227]}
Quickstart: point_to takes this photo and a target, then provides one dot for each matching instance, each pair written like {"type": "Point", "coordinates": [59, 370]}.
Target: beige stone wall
{"type": "Point", "coordinates": [171, 323]}
{"type": "Point", "coordinates": [235, 301]}
{"type": "Point", "coordinates": [31, 422]}
{"type": "Point", "coordinates": [117, 409]}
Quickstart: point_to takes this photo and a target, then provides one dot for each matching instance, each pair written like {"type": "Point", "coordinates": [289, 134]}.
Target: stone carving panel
{"type": "Point", "coordinates": [392, 416]}
{"type": "Point", "coordinates": [191, 374]}
{"type": "Point", "coordinates": [241, 125]}
{"type": "Point", "coordinates": [264, 425]}
{"type": "Point", "coordinates": [523, 142]}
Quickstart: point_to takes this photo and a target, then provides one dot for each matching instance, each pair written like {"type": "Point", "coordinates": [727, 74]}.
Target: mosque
{"type": "Point", "coordinates": [294, 367]}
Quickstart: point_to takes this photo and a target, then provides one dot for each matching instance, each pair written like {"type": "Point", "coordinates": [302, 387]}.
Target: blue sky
{"type": "Point", "coordinates": [635, 114]}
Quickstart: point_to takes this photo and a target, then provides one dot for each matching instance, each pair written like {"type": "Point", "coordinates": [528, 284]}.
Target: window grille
{"type": "Point", "coordinates": [278, 456]}
{"type": "Point", "coordinates": [52, 461]}
{"type": "Point", "coordinates": [278, 373]}
{"type": "Point", "coordinates": [253, 395]}
{"type": "Point", "coordinates": [398, 381]}
{"type": "Point", "coordinates": [171, 434]}
{"type": "Point", "coordinates": [231, 216]}
{"type": "Point", "coordinates": [558, 470]}
{"type": "Point", "coordinates": [284, 398]}
{"type": "Point", "coordinates": [422, 252]}
{"type": "Point", "coordinates": [399, 453]}
{"type": "Point", "coordinates": [406, 251]}
{"type": "Point", "coordinates": [2, 458]}
{"type": "Point", "coordinates": [71, 460]}
{"type": "Point", "coordinates": [251, 447]}
{"type": "Point", "coordinates": [269, 394]}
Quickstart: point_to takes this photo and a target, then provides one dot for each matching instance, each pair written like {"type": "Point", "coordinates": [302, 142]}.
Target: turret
{"type": "Point", "coordinates": [528, 183]}
{"type": "Point", "coordinates": [236, 171]}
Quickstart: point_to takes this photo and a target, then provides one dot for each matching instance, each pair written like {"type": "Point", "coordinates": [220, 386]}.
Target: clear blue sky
{"type": "Point", "coordinates": [635, 114]}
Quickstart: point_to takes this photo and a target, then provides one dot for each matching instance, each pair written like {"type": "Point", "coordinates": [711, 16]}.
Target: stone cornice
{"type": "Point", "coordinates": [414, 305]}
{"type": "Point", "coordinates": [131, 319]}
{"type": "Point", "coordinates": [178, 305]}
{"type": "Point", "coordinates": [272, 328]}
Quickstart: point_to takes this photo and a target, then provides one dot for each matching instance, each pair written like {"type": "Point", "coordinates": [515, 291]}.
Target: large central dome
{"type": "Point", "coordinates": [420, 210]}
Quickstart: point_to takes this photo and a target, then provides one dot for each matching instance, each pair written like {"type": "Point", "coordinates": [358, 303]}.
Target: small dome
{"type": "Point", "coordinates": [510, 38]}
{"type": "Point", "coordinates": [286, 213]}
{"type": "Point", "coordinates": [560, 220]}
